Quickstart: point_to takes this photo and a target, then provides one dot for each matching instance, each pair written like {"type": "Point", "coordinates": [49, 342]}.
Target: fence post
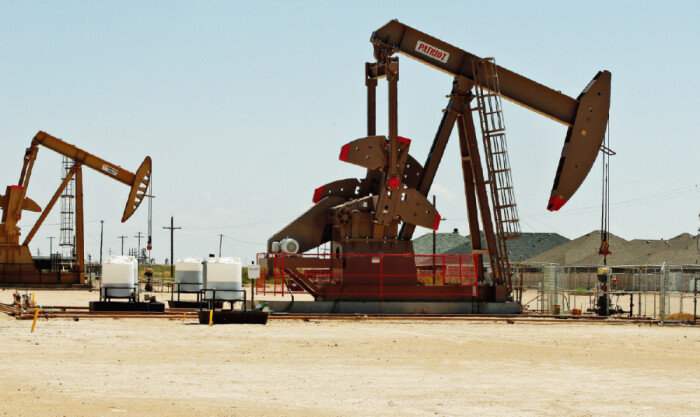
{"type": "Point", "coordinates": [695, 300]}
{"type": "Point", "coordinates": [662, 300]}
{"type": "Point", "coordinates": [381, 280]}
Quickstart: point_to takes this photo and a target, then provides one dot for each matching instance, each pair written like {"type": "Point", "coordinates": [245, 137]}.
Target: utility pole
{"type": "Point", "coordinates": [50, 238]}
{"type": "Point", "coordinates": [122, 238]}
{"type": "Point", "coordinates": [139, 236]}
{"type": "Point", "coordinates": [102, 229]}
{"type": "Point", "coordinates": [221, 238]}
{"type": "Point", "coordinates": [172, 229]}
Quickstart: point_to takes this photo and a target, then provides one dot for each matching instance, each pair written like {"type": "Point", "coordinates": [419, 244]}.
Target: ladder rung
{"type": "Point", "coordinates": [511, 220]}
{"type": "Point", "coordinates": [505, 206]}
{"type": "Point", "coordinates": [500, 170]}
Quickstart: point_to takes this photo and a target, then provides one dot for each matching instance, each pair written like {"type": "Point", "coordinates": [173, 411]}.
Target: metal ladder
{"type": "Point", "coordinates": [493, 133]}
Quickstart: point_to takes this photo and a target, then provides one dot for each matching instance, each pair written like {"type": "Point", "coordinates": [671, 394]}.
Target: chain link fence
{"type": "Point", "coordinates": [635, 291]}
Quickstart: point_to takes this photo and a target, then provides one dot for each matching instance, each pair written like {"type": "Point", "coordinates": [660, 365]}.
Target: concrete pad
{"type": "Point", "coordinates": [395, 307]}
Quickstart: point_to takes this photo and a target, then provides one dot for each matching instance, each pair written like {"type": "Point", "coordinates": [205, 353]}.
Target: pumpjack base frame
{"type": "Point", "coordinates": [26, 274]}
{"type": "Point", "coordinates": [395, 307]}
{"type": "Point", "coordinates": [154, 307]}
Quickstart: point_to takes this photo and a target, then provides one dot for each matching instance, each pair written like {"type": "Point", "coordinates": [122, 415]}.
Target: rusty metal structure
{"type": "Point", "coordinates": [377, 215]}
{"type": "Point", "coordinates": [16, 264]}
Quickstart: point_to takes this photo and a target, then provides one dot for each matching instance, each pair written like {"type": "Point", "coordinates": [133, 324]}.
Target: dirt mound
{"type": "Point", "coordinates": [681, 250]}
{"type": "Point", "coordinates": [532, 244]}
{"type": "Point", "coordinates": [524, 247]}
{"type": "Point", "coordinates": [423, 245]}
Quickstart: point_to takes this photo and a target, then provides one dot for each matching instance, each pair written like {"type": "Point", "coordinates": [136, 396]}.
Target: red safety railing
{"type": "Point", "coordinates": [375, 275]}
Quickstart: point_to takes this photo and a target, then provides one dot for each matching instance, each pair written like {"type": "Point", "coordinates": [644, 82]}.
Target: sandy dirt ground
{"type": "Point", "coordinates": [158, 367]}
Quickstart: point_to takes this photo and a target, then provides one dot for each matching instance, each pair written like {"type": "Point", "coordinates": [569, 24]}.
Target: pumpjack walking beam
{"type": "Point", "coordinates": [586, 116]}
{"type": "Point", "coordinates": [137, 181]}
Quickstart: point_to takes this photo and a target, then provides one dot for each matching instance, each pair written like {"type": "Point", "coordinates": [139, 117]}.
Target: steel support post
{"type": "Point", "coordinates": [371, 84]}
{"type": "Point", "coordinates": [393, 78]}
{"type": "Point", "coordinates": [79, 224]}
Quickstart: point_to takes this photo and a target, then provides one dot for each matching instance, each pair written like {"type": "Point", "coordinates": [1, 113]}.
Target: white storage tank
{"type": "Point", "coordinates": [134, 262]}
{"type": "Point", "coordinates": [119, 276]}
{"type": "Point", "coordinates": [189, 275]}
{"type": "Point", "coordinates": [225, 275]}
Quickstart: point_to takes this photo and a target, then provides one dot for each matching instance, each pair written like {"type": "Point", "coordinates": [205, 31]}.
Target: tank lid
{"type": "Point", "coordinates": [225, 260]}
{"type": "Point", "coordinates": [189, 261]}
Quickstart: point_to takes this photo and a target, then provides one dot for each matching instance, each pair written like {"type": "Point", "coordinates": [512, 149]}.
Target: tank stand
{"type": "Point", "coordinates": [230, 315]}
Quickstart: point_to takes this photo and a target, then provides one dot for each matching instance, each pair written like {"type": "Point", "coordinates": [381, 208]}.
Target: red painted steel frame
{"type": "Point", "coordinates": [440, 276]}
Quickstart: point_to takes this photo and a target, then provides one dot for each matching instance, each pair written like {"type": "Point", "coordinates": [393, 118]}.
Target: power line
{"type": "Point", "coordinates": [244, 241]}
{"type": "Point", "coordinates": [673, 174]}
{"type": "Point", "coordinates": [244, 225]}
{"type": "Point", "coordinates": [649, 198]}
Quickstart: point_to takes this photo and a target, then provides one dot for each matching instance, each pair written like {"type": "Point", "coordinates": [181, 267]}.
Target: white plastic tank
{"type": "Point", "coordinates": [134, 262]}
{"type": "Point", "coordinates": [119, 276]}
{"type": "Point", "coordinates": [225, 275]}
{"type": "Point", "coordinates": [189, 275]}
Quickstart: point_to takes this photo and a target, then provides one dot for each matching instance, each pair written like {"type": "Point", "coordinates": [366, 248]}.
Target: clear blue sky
{"type": "Point", "coordinates": [244, 106]}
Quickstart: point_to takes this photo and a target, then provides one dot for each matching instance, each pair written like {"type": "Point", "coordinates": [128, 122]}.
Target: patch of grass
{"type": "Point", "coordinates": [581, 291]}
{"type": "Point", "coordinates": [681, 317]}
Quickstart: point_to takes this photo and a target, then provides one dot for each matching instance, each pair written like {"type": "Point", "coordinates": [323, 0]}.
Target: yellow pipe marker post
{"type": "Point", "coordinates": [211, 317]}
{"type": "Point", "coordinates": [36, 316]}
